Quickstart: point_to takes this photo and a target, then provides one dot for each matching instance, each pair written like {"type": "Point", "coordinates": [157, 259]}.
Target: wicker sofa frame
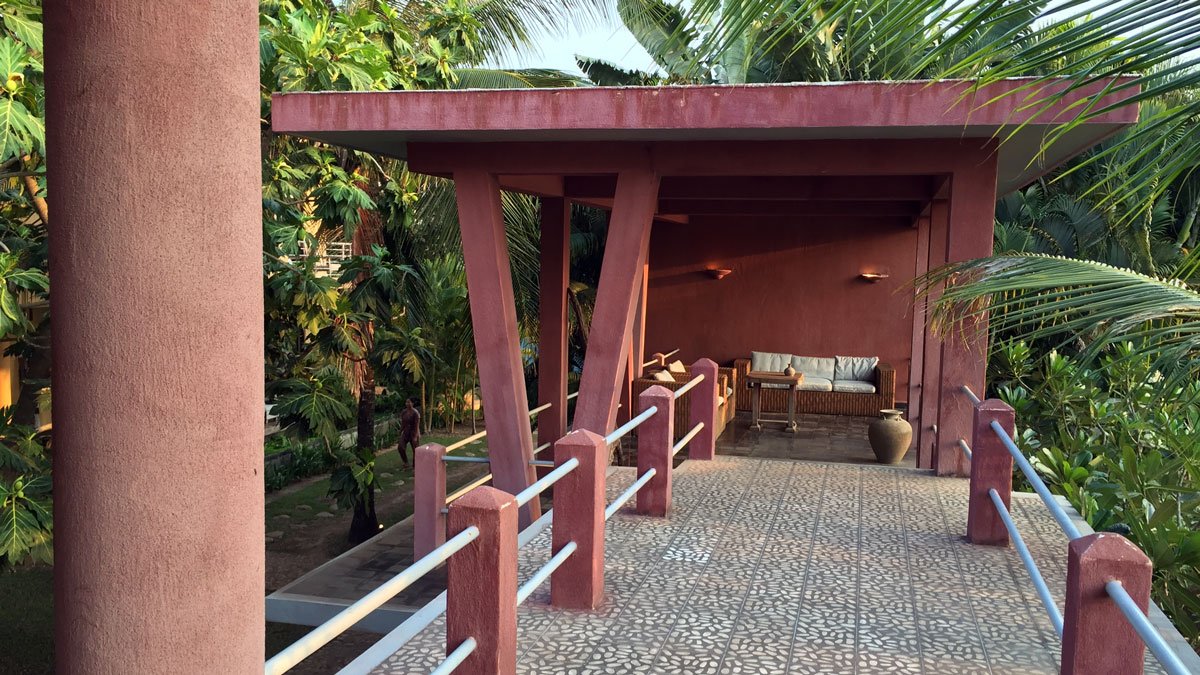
{"type": "Point", "coordinates": [821, 402]}
{"type": "Point", "coordinates": [725, 412]}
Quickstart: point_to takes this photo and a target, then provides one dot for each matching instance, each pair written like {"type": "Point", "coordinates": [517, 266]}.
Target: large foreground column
{"type": "Point", "coordinates": [156, 257]}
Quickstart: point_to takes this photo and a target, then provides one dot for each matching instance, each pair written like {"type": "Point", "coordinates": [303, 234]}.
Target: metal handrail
{"type": "Point", "coordinates": [456, 657]}
{"type": "Point", "coordinates": [466, 441]}
{"type": "Point", "coordinates": [525, 496]}
{"type": "Point", "coordinates": [466, 458]}
{"type": "Point", "coordinates": [970, 394]}
{"type": "Point", "coordinates": [1039, 583]}
{"type": "Point", "coordinates": [630, 425]}
{"type": "Point", "coordinates": [1166, 656]}
{"type": "Point", "coordinates": [628, 493]}
{"type": "Point", "coordinates": [345, 619]}
{"type": "Point", "coordinates": [687, 438]}
{"type": "Point", "coordinates": [540, 408]}
{"type": "Point", "coordinates": [962, 445]}
{"type": "Point", "coordinates": [1056, 510]}
{"type": "Point", "coordinates": [668, 355]}
{"type": "Point", "coordinates": [544, 573]}
{"type": "Point", "coordinates": [687, 387]}
{"type": "Point", "coordinates": [467, 488]}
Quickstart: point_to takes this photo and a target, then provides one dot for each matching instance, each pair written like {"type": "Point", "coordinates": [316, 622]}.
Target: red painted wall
{"type": "Point", "coordinates": [793, 289]}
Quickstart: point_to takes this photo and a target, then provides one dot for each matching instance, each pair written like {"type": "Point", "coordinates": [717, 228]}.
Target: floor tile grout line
{"type": "Point", "coordinates": [962, 582]}
{"type": "Point", "coordinates": [858, 571]}
{"type": "Point", "coordinates": [912, 593]}
{"type": "Point", "coordinates": [758, 564]}
{"type": "Point", "coordinates": [812, 545]}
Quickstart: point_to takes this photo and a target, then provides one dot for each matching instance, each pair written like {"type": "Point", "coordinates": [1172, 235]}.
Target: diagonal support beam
{"type": "Point", "coordinates": [616, 299]}
{"type": "Point", "coordinates": [497, 337]}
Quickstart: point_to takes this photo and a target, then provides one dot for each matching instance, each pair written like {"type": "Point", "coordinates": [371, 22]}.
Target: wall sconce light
{"type": "Point", "coordinates": [718, 273]}
{"type": "Point", "coordinates": [873, 277]}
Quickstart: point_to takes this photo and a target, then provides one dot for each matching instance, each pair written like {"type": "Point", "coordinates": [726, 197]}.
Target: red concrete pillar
{"type": "Point", "coordinates": [1097, 639]}
{"type": "Point", "coordinates": [616, 299]}
{"type": "Point", "coordinates": [554, 278]}
{"type": "Point", "coordinates": [152, 115]}
{"type": "Point", "coordinates": [639, 324]}
{"type": "Point", "coordinates": [704, 408]}
{"type": "Point", "coordinates": [656, 436]}
{"type": "Point", "coordinates": [579, 517]}
{"type": "Point", "coordinates": [497, 337]}
{"type": "Point", "coordinates": [917, 363]}
{"type": "Point", "coordinates": [481, 582]}
{"type": "Point", "coordinates": [964, 351]}
{"type": "Point", "coordinates": [623, 412]}
{"type": "Point", "coordinates": [991, 469]}
{"type": "Point", "coordinates": [429, 498]}
{"type": "Point", "coordinates": [931, 372]}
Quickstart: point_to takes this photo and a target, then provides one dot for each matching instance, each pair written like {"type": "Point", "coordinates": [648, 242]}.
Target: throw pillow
{"type": "Point", "coordinates": [676, 367]}
{"type": "Point", "coordinates": [663, 376]}
{"type": "Point", "coordinates": [860, 368]}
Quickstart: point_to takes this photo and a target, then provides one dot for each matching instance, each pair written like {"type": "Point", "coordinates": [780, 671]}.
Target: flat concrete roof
{"type": "Point", "coordinates": [386, 122]}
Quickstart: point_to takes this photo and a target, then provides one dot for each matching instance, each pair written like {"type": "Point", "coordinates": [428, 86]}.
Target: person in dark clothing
{"type": "Point", "coordinates": [410, 431]}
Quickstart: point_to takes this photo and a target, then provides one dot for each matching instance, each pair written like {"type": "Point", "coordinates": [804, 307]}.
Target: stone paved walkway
{"type": "Point", "coordinates": [770, 566]}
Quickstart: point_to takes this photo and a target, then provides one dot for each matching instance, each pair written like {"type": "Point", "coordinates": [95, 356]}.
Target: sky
{"type": "Point", "coordinates": [608, 40]}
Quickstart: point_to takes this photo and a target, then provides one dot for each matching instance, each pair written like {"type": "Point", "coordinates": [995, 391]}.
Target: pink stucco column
{"type": "Point", "coordinates": [579, 517]}
{"type": "Point", "coordinates": [616, 299]}
{"type": "Point", "coordinates": [1096, 636]}
{"type": "Point", "coordinates": [639, 323]}
{"type": "Point", "coordinates": [703, 408]}
{"type": "Point", "coordinates": [497, 337]}
{"type": "Point", "coordinates": [656, 436]}
{"type": "Point", "coordinates": [481, 582]}
{"type": "Point", "coordinates": [156, 257]}
{"type": "Point", "coordinates": [991, 469]}
{"type": "Point", "coordinates": [964, 351]}
{"type": "Point", "coordinates": [554, 278]}
{"type": "Point", "coordinates": [429, 498]}
{"type": "Point", "coordinates": [931, 358]}
{"type": "Point", "coordinates": [917, 364]}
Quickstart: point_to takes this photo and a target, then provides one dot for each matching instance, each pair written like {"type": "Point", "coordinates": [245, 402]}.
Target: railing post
{"type": "Point", "coordinates": [579, 517]}
{"type": "Point", "coordinates": [429, 498]}
{"type": "Point", "coordinates": [656, 436]}
{"type": "Point", "coordinates": [1096, 636]}
{"type": "Point", "coordinates": [481, 583]}
{"type": "Point", "coordinates": [660, 359]}
{"type": "Point", "coordinates": [703, 408]}
{"type": "Point", "coordinates": [991, 469]}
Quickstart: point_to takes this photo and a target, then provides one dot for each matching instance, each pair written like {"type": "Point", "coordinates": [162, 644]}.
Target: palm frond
{"type": "Point", "coordinates": [527, 78]}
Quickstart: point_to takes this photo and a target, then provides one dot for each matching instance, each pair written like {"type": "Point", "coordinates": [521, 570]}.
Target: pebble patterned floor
{"type": "Point", "coordinates": [770, 566]}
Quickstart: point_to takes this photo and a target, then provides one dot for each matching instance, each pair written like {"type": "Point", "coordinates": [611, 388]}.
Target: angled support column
{"type": "Point", "coordinates": [497, 338]}
{"type": "Point", "coordinates": [616, 300]}
{"type": "Point", "coordinates": [552, 317]}
{"type": "Point", "coordinates": [158, 371]}
{"type": "Point", "coordinates": [639, 322]}
{"type": "Point", "coordinates": [931, 371]}
{"type": "Point", "coordinates": [964, 351]}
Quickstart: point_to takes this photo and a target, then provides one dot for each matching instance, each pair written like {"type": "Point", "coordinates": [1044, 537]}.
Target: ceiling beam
{"type": "Point", "coordinates": [790, 207]}
{"type": "Point", "coordinates": [840, 188]}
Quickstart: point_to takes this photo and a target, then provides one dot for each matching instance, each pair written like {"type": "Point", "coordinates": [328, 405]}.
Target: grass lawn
{"type": "Point", "coordinates": [27, 621]}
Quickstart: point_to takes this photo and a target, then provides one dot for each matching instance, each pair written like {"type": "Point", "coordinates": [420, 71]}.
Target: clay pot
{"type": "Point", "coordinates": [890, 436]}
{"type": "Point", "coordinates": [789, 371]}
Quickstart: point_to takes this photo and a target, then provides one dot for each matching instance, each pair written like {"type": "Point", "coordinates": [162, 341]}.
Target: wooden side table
{"type": "Point", "coordinates": [755, 379]}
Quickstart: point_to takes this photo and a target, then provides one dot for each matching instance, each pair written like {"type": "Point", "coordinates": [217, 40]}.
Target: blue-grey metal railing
{"type": "Point", "coordinates": [668, 355]}
{"type": "Point", "coordinates": [970, 394]}
{"type": "Point", "coordinates": [628, 493]}
{"type": "Point", "coordinates": [1039, 583]}
{"type": "Point", "coordinates": [525, 496]}
{"type": "Point", "coordinates": [455, 658]}
{"type": "Point", "coordinates": [1162, 651]}
{"type": "Point", "coordinates": [688, 387]}
{"type": "Point", "coordinates": [539, 577]}
{"type": "Point", "coordinates": [630, 425]}
{"type": "Point", "coordinates": [687, 438]}
{"type": "Point", "coordinates": [1039, 486]}
{"type": "Point", "coordinates": [345, 619]}
{"type": "Point", "coordinates": [966, 449]}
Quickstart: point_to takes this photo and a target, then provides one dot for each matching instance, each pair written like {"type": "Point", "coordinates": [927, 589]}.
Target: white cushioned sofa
{"type": "Point", "coordinates": [833, 385]}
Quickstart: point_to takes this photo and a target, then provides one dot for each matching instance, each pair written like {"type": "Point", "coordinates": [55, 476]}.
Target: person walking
{"type": "Point", "coordinates": [410, 431]}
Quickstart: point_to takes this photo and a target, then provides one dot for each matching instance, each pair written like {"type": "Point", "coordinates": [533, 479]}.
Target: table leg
{"type": "Point", "coordinates": [755, 407]}
{"type": "Point", "coordinates": [792, 409]}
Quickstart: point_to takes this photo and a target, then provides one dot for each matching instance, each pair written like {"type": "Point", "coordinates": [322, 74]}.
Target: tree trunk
{"type": "Point", "coordinates": [366, 410]}
{"type": "Point", "coordinates": [365, 523]}
{"type": "Point", "coordinates": [35, 375]}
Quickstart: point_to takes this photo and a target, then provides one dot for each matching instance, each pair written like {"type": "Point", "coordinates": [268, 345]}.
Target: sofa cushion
{"type": "Point", "coordinates": [815, 384]}
{"type": "Point", "coordinates": [769, 362]}
{"type": "Point", "coordinates": [663, 376]}
{"type": "Point", "coordinates": [676, 367]}
{"type": "Point", "coordinates": [814, 366]}
{"type": "Point", "coordinates": [860, 368]}
{"type": "Point", "coordinates": [853, 386]}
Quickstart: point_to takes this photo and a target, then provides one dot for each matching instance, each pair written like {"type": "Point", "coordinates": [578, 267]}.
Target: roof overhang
{"type": "Point", "coordinates": [1015, 112]}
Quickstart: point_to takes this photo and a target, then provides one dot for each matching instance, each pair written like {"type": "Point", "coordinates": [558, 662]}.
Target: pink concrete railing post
{"type": "Point", "coordinates": [481, 583]}
{"type": "Point", "coordinates": [579, 517]}
{"type": "Point", "coordinates": [703, 408]}
{"type": "Point", "coordinates": [991, 469]}
{"type": "Point", "coordinates": [429, 498]}
{"type": "Point", "coordinates": [656, 437]}
{"type": "Point", "coordinates": [1096, 636]}
{"type": "Point", "coordinates": [660, 359]}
